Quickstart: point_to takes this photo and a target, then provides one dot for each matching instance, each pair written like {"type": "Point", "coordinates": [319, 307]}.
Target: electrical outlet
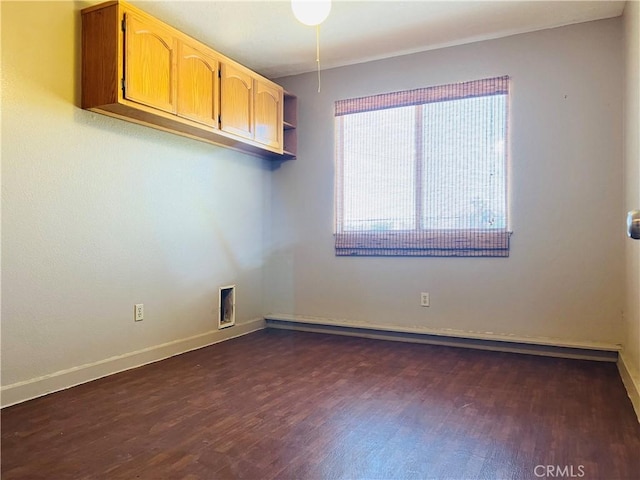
{"type": "Point", "coordinates": [424, 299]}
{"type": "Point", "coordinates": [138, 312]}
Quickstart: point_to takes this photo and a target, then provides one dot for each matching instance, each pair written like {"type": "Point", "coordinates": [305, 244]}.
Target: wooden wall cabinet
{"type": "Point", "coordinates": [198, 85]}
{"type": "Point", "coordinates": [149, 63]}
{"type": "Point", "coordinates": [268, 108]}
{"type": "Point", "coordinates": [237, 101]}
{"type": "Point", "coordinates": [138, 69]}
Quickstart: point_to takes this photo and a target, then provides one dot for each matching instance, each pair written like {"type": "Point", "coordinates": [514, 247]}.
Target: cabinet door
{"type": "Point", "coordinates": [236, 103]}
{"type": "Point", "coordinates": [268, 114]}
{"type": "Point", "coordinates": [198, 88]}
{"type": "Point", "coordinates": [149, 68]}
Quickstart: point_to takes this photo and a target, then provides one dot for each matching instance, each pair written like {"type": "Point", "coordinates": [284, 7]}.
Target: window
{"type": "Point", "coordinates": [424, 172]}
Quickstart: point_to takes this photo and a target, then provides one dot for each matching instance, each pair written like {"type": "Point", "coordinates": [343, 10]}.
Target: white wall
{"type": "Point", "coordinates": [565, 276]}
{"type": "Point", "coordinates": [99, 214]}
{"type": "Point", "coordinates": [631, 343]}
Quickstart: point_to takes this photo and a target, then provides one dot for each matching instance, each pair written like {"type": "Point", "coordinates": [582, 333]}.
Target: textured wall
{"type": "Point", "coordinates": [99, 214]}
{"type": "Point", "coordinates": [565, 276]}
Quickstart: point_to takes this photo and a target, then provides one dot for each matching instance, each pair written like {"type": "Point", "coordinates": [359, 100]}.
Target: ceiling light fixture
{"type": "Point", "coordinates": [312, 13]}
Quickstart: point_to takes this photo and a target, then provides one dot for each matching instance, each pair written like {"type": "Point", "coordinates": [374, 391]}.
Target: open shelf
{"type": "Point", "coordinates": [290, 123]}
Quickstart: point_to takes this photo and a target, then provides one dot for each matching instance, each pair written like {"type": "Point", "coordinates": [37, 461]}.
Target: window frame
{"type": "Point", "coordinates": [420, 241]}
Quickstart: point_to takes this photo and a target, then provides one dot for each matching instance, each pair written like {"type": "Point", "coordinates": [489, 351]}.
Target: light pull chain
{"type": "Point", "coordinates": [318, 53]}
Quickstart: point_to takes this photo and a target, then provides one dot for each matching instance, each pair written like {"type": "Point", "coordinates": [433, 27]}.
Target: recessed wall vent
{"type": "Point", "coordinates": [227, 306]}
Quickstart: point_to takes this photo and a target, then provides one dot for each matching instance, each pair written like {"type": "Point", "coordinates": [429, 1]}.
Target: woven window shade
{"type": "Point", "coordinates": [423, 172]}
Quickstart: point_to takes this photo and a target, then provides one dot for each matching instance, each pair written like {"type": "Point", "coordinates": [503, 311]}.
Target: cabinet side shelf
{"type": "Point", "coordinates": [290, 123]}
{"type": "Point", "coordinates": [290, 116]}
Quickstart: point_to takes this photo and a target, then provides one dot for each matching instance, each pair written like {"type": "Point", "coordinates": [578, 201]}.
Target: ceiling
{"type": "Point", "coordinates": [265, 36]}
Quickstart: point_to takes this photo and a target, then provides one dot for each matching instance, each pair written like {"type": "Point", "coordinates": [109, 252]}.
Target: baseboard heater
{"type": "Point", "coordinates": [602, 353]}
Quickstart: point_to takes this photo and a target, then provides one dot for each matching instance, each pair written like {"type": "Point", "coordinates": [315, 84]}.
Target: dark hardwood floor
{"type": "Point", "coordinates": [293, 405]}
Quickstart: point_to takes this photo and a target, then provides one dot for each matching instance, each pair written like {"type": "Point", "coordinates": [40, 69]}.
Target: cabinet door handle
{"type": "Point", "coordinates": [633, 224]}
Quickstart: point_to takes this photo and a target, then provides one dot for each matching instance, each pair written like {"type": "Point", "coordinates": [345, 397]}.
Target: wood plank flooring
{"type": "Point", "coordinates": [293, 405]}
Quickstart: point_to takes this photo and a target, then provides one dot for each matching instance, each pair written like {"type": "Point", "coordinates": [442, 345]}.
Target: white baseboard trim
{"type": "Point", "coordinates": [61, 380]}
{"type": "Point", "coordinates": [631, 380]}
{"type": "Point", "coordinates": [456, 338]}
